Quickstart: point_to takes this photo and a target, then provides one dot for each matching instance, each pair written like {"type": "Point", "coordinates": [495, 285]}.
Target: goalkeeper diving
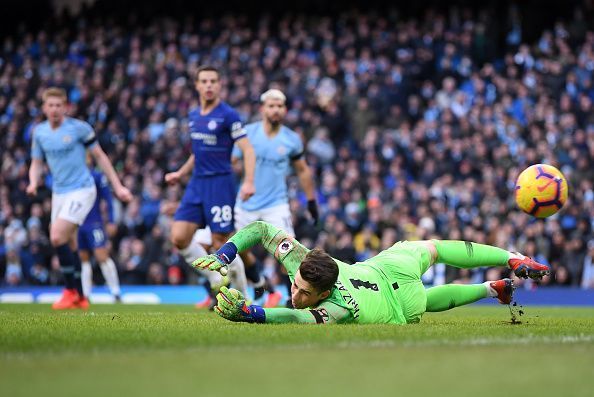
{"type": "Point", "coordinates": [384, 289]}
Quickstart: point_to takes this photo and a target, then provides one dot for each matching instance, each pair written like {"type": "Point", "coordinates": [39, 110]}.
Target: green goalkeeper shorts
{"type": "Point", "coordinates": [404, 263]}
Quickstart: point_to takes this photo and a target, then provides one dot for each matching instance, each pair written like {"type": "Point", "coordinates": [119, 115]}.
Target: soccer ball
{"type": "Point", "coordinates": [541, 190]}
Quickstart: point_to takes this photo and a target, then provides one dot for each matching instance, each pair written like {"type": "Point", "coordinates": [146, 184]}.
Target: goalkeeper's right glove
{"type": "Point", "coordinates": [231, 306]}
{"type": "Point", "coordinates": [218, 262]}
{"type": "Point", "coordinates": [214, 262]}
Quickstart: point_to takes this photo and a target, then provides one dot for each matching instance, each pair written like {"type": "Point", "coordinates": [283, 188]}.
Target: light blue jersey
{"type": "Point", "coordinates": [64, 149]}
{"type": "Point", "coordinates": [273, 163]}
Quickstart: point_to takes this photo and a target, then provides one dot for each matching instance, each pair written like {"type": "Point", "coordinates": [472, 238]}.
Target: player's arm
{"type": "Point", "coordinates": [34, 175]}
{"type": "Point", "coordinates": [231, 305]}
{"type": "Point", "coordinates": [36, 166]}
{"type": "Point", "coordinates": [288, 251]}
{"type": "Point", "coordinates": [103, 162]}
{"type": "Point", "coordinates": [307, 184]}
{"type": "Point", "coordinates": [174, 177]}
{"type": "Point", "coordinates": [249, 164]}
{"type": "Point", "coordinates": [236, 160]}
{"type": "Point", "coordinates": [326, 313]}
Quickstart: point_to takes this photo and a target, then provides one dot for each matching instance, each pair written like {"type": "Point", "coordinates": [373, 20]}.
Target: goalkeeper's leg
{"type": "Point", "coordinates": [445, 297]}
{"type": "Point", "coordinates": [466, 255]}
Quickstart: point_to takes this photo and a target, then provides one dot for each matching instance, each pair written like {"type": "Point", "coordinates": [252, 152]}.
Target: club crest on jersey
{"type": "Point", "coordinates": [66, 139]}
{"type": "Point", "coordinates": [212, 125]}
{"type": "Point", "coordinates": [281, 150]}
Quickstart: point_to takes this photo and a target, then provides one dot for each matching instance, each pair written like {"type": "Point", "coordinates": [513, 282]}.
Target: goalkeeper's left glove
{"type": "Point", "coordinates": [231, 306]}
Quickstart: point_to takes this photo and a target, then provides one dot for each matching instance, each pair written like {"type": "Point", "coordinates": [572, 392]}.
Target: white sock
{"type": "Point", "coordinates": [86, 278]}
{"type": "Point", "coordinates": [515, 255]}
{"type": "Point", "coordinates": [110, 273]}
{"type": "Point", "coordinates": [490, 291]}
{"type": "Point", "coordinates": [237, 275]}
{"type": "Point", "coordinates": [195, 251]}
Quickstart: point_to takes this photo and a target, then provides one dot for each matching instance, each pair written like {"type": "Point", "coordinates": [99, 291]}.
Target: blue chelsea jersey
{"type": "Point", "coordinates": [212, 137]}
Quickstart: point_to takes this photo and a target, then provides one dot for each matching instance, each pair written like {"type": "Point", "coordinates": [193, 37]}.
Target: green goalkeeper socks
{"type": "Point", "coordinates": [468, 255]}
{"type": "Point", "coordinates": [445, 297]}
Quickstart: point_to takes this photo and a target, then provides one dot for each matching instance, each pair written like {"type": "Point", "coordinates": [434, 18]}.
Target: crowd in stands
{"type": "Point", "coordinates": [415, 128]}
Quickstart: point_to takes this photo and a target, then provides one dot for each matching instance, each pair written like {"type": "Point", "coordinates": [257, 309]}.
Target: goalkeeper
{"type": "Point", "coordinates": [384, 289]}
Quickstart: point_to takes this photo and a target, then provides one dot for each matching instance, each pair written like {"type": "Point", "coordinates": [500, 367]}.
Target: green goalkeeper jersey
{"type": "Point", "coordinates": [363, 293]}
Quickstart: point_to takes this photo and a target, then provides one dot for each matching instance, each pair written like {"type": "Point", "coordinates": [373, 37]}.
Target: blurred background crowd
{"type": "Point", "coordinates": [416, 125]}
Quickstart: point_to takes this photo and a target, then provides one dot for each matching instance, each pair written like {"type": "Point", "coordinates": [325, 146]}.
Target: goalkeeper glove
{"type": "Point", "coordinates": [218, 262]}
{"type": "Point", "coordinates": [231, 306]}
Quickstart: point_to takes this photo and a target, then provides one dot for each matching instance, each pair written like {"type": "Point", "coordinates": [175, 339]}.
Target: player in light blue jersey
{"type": "Point", "coordinates": [210, 194]}
{"type": "Point", "coordinates": [63, 142]}
{"type": "Point", "coordinates": [277, 148]}
{"type": "Point", "coordinates": [92, 238]}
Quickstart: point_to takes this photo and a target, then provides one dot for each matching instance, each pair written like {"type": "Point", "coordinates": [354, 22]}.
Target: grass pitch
{"type": "Point", "coordinates": [120, 350]}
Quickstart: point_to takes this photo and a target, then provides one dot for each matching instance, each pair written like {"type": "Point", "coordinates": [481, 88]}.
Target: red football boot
{"type": "Point", "coordinates": [69, 300]}
{"type": "Point", "coordinates": [207, 303]}
{"type": "Point", "coordinates": [83, 303]}
{"type": "Point", "coordinates": [505, 290]}
{"type": "Point", "coordinates": [273, 299]}
{"type": "Point", "coordinates": [525, 267]}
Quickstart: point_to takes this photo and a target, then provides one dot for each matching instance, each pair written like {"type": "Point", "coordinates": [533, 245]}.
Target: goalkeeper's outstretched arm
{"type": "Point", "coordinates": [324, 314]}
{"type": "Point", "coordinates": [288, 251]}
{"type": "Point", "coordinates": [231, 305]}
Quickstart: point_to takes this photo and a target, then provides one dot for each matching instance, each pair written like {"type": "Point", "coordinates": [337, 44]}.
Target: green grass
{"type": "Point", "coordinates": [175, 350]}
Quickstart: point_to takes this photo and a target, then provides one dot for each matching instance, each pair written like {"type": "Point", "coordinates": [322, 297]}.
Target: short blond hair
{"type": "Point", "coordinates": [273, 93]}
{"type": "Point", "coordinates": [54, 92]}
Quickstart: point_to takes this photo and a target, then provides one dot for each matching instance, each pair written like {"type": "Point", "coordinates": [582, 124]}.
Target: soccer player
{"type": "Point", "coordinates": [210, 195]}
{"type": "Point", "coordinates": [277, 148]}
{"type": "Point", "coordinates": [92, 238]}
{"type": "Point", "coordinates": [63, 142]}
{"type": "Point", "coordinates": [203, 237]}
{"type": "Point", "coordinates": [384, 289]}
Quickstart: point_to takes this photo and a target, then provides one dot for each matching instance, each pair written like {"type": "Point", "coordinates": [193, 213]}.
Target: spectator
{"type": "Point", "coordinates": [321, 146]}
{"type": "Point", "coordinates": [134, 262]}
{"type": "Point", "coordinates": [14, 271]}
{"type": "Point", "coordinates": [414, 133]}
{"type": "Point", "coordinates": [588, 275]}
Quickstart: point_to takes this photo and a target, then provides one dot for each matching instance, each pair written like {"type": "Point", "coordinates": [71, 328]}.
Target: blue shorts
{"type": "Point", "coordinates": [91, 237]}
{"type": "Point", "coordinates": [209, 201]}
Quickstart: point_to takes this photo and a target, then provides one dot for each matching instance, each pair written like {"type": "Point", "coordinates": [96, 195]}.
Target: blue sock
{"type": "Point", "coordinates": [253, 272]}
{"type": "Point", "coordinates": [67, 265]}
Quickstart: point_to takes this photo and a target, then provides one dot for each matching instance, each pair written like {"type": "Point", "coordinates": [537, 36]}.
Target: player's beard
{"type": "Point", "coordinates": [210, 98]}
{"type": "Point", "coordinates": [274, 123]}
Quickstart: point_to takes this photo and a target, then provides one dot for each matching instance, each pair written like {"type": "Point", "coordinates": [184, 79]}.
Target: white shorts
{"type": "Point", "coordinates": [279, 216]}
{"type": "Point", "coordinates": [73, 206]}
{"type": "Point", "coordinates": [203, 236]}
